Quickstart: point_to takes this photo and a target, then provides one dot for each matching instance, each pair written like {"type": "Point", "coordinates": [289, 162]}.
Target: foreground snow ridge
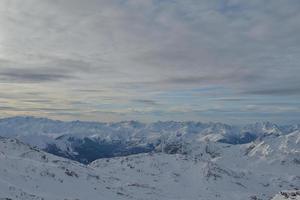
{"type": "Point", "coordinates": [202, 170]}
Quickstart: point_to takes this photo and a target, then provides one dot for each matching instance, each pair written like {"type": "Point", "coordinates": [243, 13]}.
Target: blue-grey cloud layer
{"type": "Point", "coordinates": [150, 59]}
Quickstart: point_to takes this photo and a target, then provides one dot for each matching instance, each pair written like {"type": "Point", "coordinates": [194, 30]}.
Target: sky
{"type": "Point", "coordinates": [232, 61]}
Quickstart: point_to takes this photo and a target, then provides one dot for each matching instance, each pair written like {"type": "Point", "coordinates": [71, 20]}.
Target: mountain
{"type": "Point", "coordinates": [200, 170]}
{"type": "Point", "coordinates": [88, 141]}
{"type": "Point", "coordinates": [210, 170]}
{"type": "Point", "coordinates": [27, 173]}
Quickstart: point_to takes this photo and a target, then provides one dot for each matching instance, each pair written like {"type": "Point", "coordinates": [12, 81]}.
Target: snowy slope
{"type": "Point", "coordinates": [30, 174]}
{"type": "Point", "coordinates": [288, 195]}
{"type": "Point", "coordinates": [199, 170]}
{"type": "Point", "coordinates": [210, 171]}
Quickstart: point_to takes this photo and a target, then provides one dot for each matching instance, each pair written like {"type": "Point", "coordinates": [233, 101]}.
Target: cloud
{"type": "Point", "coordinates": [20, 75]}
{"type": "Point", "coordinates": [3, 108]}
{"type": "Point", "coordinates": [230, 99]}
{"type": "Point", "coordinates": [276, 91]}
{"type": "Point", "coordinates": [37, 101]}
{"type": "Point", "coordinates": [146, 102]}
{"type": "Point", "coordinates": [215, 43]}
{"type": "Point", "coordinates": [130, 52]}
{"type": "Point", "coordinates": [49, 70]}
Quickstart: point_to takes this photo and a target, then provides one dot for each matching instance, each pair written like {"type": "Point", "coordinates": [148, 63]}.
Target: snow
{"type": "Point", "coordinates": [205, 170]}
{"type": "Point", "coordinates": [67, 136]}
{"type": "Point", "coordinates": [288, 195]}
{"type": "Point", "coordinates": [209, 171]}
{"type": "Point", "coordinates": [187, 164]}
{"type": "Point", "coordinates": [27, 174]}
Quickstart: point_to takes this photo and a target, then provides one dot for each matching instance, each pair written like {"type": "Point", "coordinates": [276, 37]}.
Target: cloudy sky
{"type": "Point", "coordinates": [109, 60]}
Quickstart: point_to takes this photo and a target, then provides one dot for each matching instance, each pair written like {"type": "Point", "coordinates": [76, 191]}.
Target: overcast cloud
{"type": "Point", "coordinates": [150, 59]}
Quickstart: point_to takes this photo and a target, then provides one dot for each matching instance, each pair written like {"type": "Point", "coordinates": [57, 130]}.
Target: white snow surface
{"type": "Point", "coordinates": [288, 195]}
{"type": "Point", "coordinates": [204, 171]}
{"type": "Point", "coordinates": [30, 174]}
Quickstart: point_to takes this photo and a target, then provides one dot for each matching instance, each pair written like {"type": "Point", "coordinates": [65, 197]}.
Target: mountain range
{"type": "Point", "coordinates": [138, 161]}
{"type": "Point", "coordinates": [88, 141]}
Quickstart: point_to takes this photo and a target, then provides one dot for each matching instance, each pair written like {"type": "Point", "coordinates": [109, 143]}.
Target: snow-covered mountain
{"type": "Point", "coordinates": [210, 170]}
{"type": "Point", "coordinates": [203, 170]}
{"type": "Point", "coordinates": [30, 174]}
{"type": "Point", "coordinates": [88, 141]}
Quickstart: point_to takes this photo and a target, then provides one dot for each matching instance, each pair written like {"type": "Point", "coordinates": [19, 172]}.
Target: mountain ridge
{"type": "Point", "coordinates": [88, 141]}
{"type": "Point", "coordinates": [208, 170]}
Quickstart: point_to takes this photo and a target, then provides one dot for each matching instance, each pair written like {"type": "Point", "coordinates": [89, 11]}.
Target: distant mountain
{"type": "Point", "coordinates": [88, 141]}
